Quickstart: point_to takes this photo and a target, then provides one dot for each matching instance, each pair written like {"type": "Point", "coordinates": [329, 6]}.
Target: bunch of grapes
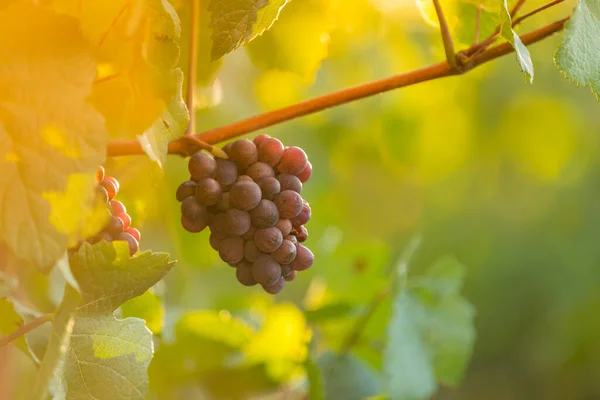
{"type": "Point", "coordinates": [253, 206]}
{"type": "Point", "coordinates": [119, 224]}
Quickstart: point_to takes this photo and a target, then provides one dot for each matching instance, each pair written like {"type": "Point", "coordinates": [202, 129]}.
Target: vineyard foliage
{"type": "Point", "coordinates": [453, 227]}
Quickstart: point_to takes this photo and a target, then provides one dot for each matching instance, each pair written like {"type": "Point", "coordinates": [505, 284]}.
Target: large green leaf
{"type": "Point", "coordinates": [346, 377]}
{"type": "Point", "coordinates": [108, 358]}
{"type": "Point", "coordinates": [237, 22]}
{"type": "Point", "coordinates": [523, 56]}
{"type": "Point", "coordinates": [430, 335]}
{"type": "Point", "coordinates": [578, 57]}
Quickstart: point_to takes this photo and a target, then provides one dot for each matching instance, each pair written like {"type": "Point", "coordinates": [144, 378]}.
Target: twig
{"type": "Point", "coordinates": [25, 329]}
{"type": "Point", "coordinates": [517, 21]}
{"type": "Point", "coordinates": [435, 71]}
{"type": "Point", "coordinates": [516, 8]}
{"type": "Point", "coordinates": [192, 63]}
{"type": "Point", "coordinates": [446, 37]}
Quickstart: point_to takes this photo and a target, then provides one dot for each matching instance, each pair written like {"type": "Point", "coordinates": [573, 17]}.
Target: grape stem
{"type": "Point", "coordinates": [440, 70]}
{"type": "Point", "coordinates": [446, 37]}
{"type": "Point", "coordinates": [26, 329]}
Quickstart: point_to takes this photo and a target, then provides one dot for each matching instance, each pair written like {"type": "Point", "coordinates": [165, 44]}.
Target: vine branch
{"type": "Point", "coordinates": [431, 72]}
{"type": "Point", "coordinates": [26, 329]}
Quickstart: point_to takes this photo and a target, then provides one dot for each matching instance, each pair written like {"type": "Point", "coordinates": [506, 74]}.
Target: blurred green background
{"type": "Point", "coordinates": [501, 174]}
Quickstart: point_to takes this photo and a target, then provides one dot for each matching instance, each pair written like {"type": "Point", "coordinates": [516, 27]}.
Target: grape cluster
{"type": "Point", "coordinates": [253, 206]}
{"type": "Point", "coordinates": [119, 224]}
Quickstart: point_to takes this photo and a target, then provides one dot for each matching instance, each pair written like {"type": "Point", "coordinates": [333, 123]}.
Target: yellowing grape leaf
{"type": "Point", "coordinates": [298, 42]}
{"type": "Point", "coordinates": [523, 56]}
{"type": "Point", "coordinates": [109, 358]}
{"type": "Point", "coordinates": [138, 84]}
{"type": "Point", "coordinates": [237, 22]}
{"type": "Point", "coordinates": [578, 57]}
{"type": "Point", "coordinates": [10, 321]}
{"type": "Point", "coordinates": [47, 128]}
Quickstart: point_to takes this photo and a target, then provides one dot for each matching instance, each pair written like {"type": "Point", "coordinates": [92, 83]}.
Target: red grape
{"type": "Point", "coordinates": [301, 233]}
{"type": "Point", "coordinates": [259, 170]}
{"type": "Point", "coordinates": [243, 274]}
{"type": "Point", "coordinates": [117, 207]}
{"type": "Point", "coordinates": [266, 270]}
{"type": "Point", "coordinates": [231, 250]}
{"type": "Point", "coordinates": [304, 215]}
{"type": "Point", "coordinates": [276, 287]}
{"type": "Point", "coordinates": [268, 239]}
{"type": "Point", "coordinates": [114, 226]}
{"type": "Point", "coordinates": [133, 232]}
{"type": "Point", "coordinates": [265, 214]}
{"type": "Point", "coordinates": [110, 186]}
{"type": "Point", "coordinates": [293, 161]}
{"type": "Point", "coordinates": [270, 151]}
{"type": "Point", "coordinates": [292, 239]}
{"type": "Point", "coordinates": [185, 190]}
{"type": "Point", "coordinates": [193, 226]}
{"type": "Point", "coordinates": [290, 182]}
{"type": "Point", "coordinates": [289, 204]}
{"type": "Point", "coordinates": [270, 187]}
{"type": "Point", "coordinates": [243, 152]}
{"type": "Point", "coordinates": [286, 253]}
{"type": "Point", "coordinates": [100, 174]}
{"type": "Point", "coordinates": [306, 173]}
{"type": "Point", "coordinates": [126, 219]}
{"type": "Point", "coordinates": [244, 195]}
{"type": "Point", "coordinates": [304, 258]}
{"type": "Point", "coordinates": [237, 222]}
{"type": "Point", "coordinates": [250, 234]}
{"type": "Point", "coordinates": [286, 269]}
{"type": "Point", "coordinates": [193, 210]}
{"type": "Point", "coordinates": [102, 194]}
{"type": "Point", "coordinates": [208, 191]}
{"type": "Point", "coordinates": [226, 172]}
{"type": "Point", "coordinates": [215, 238]}
{"type": "Point", "coordinates": [290, 277]}
{"type": "Point", "coordinates": [251, 252]}
{"type": "Point", "coordinates": [131, 241]}
{"type": "Point", "coordinates": [260, 138]}
{"type": "Point", "coordinates": [202, 165]}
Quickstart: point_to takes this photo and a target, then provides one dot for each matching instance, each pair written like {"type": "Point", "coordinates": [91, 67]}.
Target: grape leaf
{"type": "Point", "coordinates": [299, 42]}
{"type": "Point", "coordinates": [148, 307]}
{"type": "Point", "coordinates": [138, 84]}
{"type": "Point", "coordinates": [332, 311]}
{"type": "Point", "coordinates": [46, 71]}
{"type": "Point", "coordinates": [346, 377]}
{"type": "Point", "coordinates": [578, 57]}
{"type": "Point", "coordinates": [430, 335]}
{"type": "Point", "coordinates": [109, 358]}
{"type": "Point", "coordinates": [237, 22]}
{"type": "Point", "coordinates": [523, 56]}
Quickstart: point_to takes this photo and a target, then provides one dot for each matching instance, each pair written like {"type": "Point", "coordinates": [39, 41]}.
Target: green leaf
{"type": "Point", "coordinates": [107, 357]}
{"type": "Point", "coordinates": [430, 334]}
{"type": "Point", "coordinates": [148, 307]}
{"type": "Point", "coordinates": [67, 136]}
{"type": "Point", "coordinates": [578, 57]}
{"type": "Point", "coordinates": [523, 56]}
{"type": "Point", "coordinates": [237, 22]}
{"type": "Point", "coordinates": [298, 42]}
{"type": "Point", "coordinates": [332, 311]}
{"type": "Point", "coordinates": [10, 321]}
{"type": "Point", "coordinates": [316, 391]}
{"type": "Point", "coordinates": [346, 377]}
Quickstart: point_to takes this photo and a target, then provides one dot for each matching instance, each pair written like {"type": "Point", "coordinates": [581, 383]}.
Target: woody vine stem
{"type": "Point", "coordinates": [455, 64]}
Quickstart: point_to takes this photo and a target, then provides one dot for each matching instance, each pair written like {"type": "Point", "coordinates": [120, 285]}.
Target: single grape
{"type": "Point", "coordinates": [223, 204]}
{"type": "Point", "coordinates": [193, 210]}
{"type": "Point", "coordinates": [286, 253]}
{"type": "Point", "coordinates": [286, 269]}
{"type": "Point", "coordinates": [217, 223]}
{"type": "Point", "coordinates": [250, 234]}
{"type": "Point", "coordinates": [290, 182]}
{"type": "Point", "coordinates": [243, 274]}
{"type": "Point", "coordinates": [126, 220]}
{"type": "Point", "coordinates": [100, 174]}
{"type": "Point", "coordinates": [293, 161]}
{"type": "Point", "coordinates": [202, 165]}
{"type": "Point", "coordinates": [215, 238]}
{"type": "Point", "coordinates": [226, 172]}
{"type": "Point", "coordinates": [237, 222]}
{"type": "Point", "coordinates": [289, 204]}
{"type": "Point", "coordinates": [304, 215]}
{"type": "Point", "coordinates": [244, 195]}
{"type": "Point", "coordinates": [290, 277]}
{"type": "Point", "coordinates": [208, 191]}
{"type": "Point", "coordinates": [270, 151]}
{"type": "Point", "coordinates": [116, 207]}
{"type": "Point", "coordinates": [133, 232]}
{"type": "Point", "coordinates": [266, 270]}
{"type": "Point", "coordinates": [276, 287]}
{"type": "Point", "coordinates": [231, 250]}
{"type": "Point", "coordinates": [259, 170]}
{"type": "Point", "coordinates": [114, 226]}
{"type": "Point", "coordinates": [260, 138]}
{"type": "Point", "coordinates": [304, 258]}
{"type": "Point", "coordinates": [292, 238]}
{"type": "Point", "coordinates": [110, 186]}
{"type": "Point", "coordinates": [301, 233]}
{"type": "Point", "coordinates": [185, 190]}
{"type": "Point", "coordinates": [251, 252]}
{"type": "Point", "coordinates": [270, 187]}
{"type": "Point", "coordinates": [227, 148]}
{"type": "Point", "coordinates": [102, 194]}
{"type": "Point", "coordinates": [243, 152]}
{"type": "Point", "coordinates": [265, 214]}
{"type": "Point", "coordinates": [131, 241]}
{"type": "Point", "coordinates": [284, 225]}
{"type": "Point", "coordinates": [193, 226]}
{"type": "Point", "coordinates": [306, 173]}
{"type": "Point", "coordinates": [268, 239]}
{"type": "Point", "coordinates": [244, 178]}
{"type": "Point", "coordinates": [102, 236]}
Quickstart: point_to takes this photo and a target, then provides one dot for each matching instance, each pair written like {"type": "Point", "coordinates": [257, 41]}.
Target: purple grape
{"type": "Point", "coordinates": [243, 274]}
{"type": "Point", "coordinates": [290, 182]}
{"type": "Point", "coordinates": [276, 287]}
{"type": "Point", "coordinates": [192, 209]}
{"type": "Point", "coordinates": [270, 151]}
{"type": "Point", "coordinates": [115, 226]}
{"type": "Point", "coordinates": [236, 222]}
{"type": "Point", "coordinates": [202, 165]}
{"type": "Point", "coordinates": [226, 173]}
{"type": "Point", "coordinates": [304, 258]}
{"type": "Point", "coordinates": [231, 250]}
{"type": "Point", "coordinates": [301, 233]}
{"type": "Point", "coordinates": [268, 239]}
{"type": "Point", "coordinates": [304, 215]}
{"type": "Point", "coordinates": [131, 242]}
{"type": "Point", "coordinates": [194, 226]}
{"type": "Point", "coordinates": [244, 195]}
{"type": "Point", "coordinates": [208, 191]}
{"type": "Point", "coordinates": [260, 170]}
{"type": "Point", "coordinates": [284, 225]}
{"type": "Point", "coordinates": [306, 173]}
{"type": "Point", "coordinates": [286, 253]}
{"type": "Point", "coordinates": [293, 161]}
{"type": "Point", "coordinates": [244, 153]}
{"type": "Point", "coordinates": [270, 187]}
{"type": "Point", "coordinates": [289, 204]}
{"type": "Point", "coordinates": [266, 270]}
{"type": "Point", "coordinates": [265, 214]}
{"type": "Point", "coordinates": [251, 252]}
